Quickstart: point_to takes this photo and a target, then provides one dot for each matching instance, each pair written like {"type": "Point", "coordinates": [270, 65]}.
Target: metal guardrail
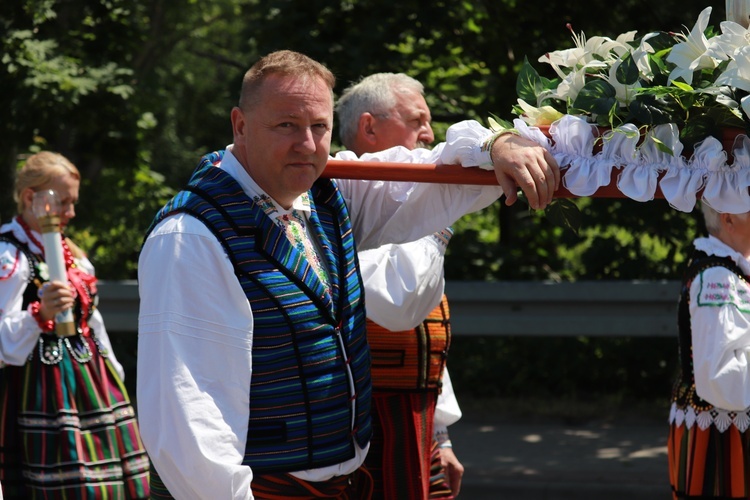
{"type": "Point", "coordinates": [510, 308]}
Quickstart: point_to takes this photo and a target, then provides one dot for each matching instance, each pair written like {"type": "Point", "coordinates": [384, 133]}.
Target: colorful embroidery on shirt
{"type": "Point", "coordinates": [265, 203]}
{"type": "Point", "coordinates": [718, 292]}
{"type": "Point", "coordinates": [8, 265]}
{"type": "Point", "coordinates": [293, 223]}
{"type": "Point", "coordinates": [443, 237]}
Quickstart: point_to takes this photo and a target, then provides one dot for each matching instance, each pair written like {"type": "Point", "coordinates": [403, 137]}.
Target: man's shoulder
{"type": "Point", "coordinates": [718, 285]}
{"type": "Point", "coordinates": [180, 223]}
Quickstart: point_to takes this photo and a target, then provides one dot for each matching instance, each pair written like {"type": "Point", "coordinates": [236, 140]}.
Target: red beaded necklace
{"type": "Point", "coordinates": [67, 254]}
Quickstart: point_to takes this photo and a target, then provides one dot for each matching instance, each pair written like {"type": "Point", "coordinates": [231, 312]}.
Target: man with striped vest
{"type": "Point", "coordinates": [253, 365]}
{"type": "Point", "coordinates": [408, 324]}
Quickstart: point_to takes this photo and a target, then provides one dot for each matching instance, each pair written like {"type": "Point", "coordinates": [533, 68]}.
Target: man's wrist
{"type": "Point", "coordinates": [446, 444]}
{"type": "Point", "coordinates": [441, 436]}
{"type": "Point", "coordinates": [489, 142]}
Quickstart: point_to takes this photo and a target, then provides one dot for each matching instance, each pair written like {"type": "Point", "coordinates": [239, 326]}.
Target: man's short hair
{"type": "Point", "coordinates": [375, 94]}
{"type": "Point", "coordinates": [282, 62]}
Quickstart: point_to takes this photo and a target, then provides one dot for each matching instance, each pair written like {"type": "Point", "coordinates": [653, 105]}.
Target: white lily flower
{"type": "Point", "coordinates": [737, 73]}
{"type": "Point", "coordinates": [640, 56]}
{"type": "Point", "coordinates": [572, 84]}
{"type": "Point", "coordinates": [624, 93]}
{"type": "Point", "coordinates": [691, 55]}
{"type": "Point", "coordinates": [745, 103]}
{"type": "Point", "coordinates": [592, 52]}
{"type": "Point", "coordinates": [601, 47]}
{"type": "Point", "coordinates": [733, 37]}
{"type": "Point", "coordinates": [544, 115]}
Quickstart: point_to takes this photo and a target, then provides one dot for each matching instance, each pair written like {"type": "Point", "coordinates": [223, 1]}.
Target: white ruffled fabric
{"type": "Point", "coordinates": [721, 419]}
{"type": "Point", "coordinates": [646, 166]}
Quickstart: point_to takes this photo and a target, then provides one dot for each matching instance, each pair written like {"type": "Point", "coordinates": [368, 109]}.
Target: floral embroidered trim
{"type": "Point", "coordinates": [46, 326]}
{"type": "Point", "coordinates": [5, 264]}
{"type": "Point", "coordinates": [443, 236]}
{"type": "Point", "coordinates": [50, 352]}
{"type": "Point", "coordinates": [721, 419]}
{"type": "Point", "coordinates": [81, 352]}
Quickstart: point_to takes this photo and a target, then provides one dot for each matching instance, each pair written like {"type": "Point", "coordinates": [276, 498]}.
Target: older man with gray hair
{"type": "Point", "coordinates": [408, 324]}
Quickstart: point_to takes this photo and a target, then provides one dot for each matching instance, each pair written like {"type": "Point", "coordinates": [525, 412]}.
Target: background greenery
{"type": "Point", "coordinates": [134, 91]}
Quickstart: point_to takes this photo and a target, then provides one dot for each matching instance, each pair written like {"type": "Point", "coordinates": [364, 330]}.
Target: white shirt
{"type": "Point", "coordinates": [720, 321]}
{"type": "Point", "coordinates": [19, 331]}
{"type": "Point", "coordinates": [403, 284]}
{"type": "Point", "coordinates": [196, 326]}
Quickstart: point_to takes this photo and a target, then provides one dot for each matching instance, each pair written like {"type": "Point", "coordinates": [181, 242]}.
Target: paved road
{"type": "Point", "coordinates": [548, 460]}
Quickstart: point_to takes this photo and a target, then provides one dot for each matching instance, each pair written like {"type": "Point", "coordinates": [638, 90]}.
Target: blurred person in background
{"type": "Point", "coordinates": [67, 428]}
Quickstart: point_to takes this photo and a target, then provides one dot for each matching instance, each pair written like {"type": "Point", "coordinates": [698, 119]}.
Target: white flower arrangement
{"type": "Point", "coordinates": [698, 80]}
{"type": "Point", "coordinates": [655, 96]}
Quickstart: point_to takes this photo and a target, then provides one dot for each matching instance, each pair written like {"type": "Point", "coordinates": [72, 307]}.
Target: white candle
{"type": "Point", "coordinates": [46, 208]}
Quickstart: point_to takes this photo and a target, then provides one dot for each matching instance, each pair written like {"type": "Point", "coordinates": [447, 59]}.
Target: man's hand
{"type": "Point", "coordinates": [454, 471]}
{"type": "Point", "coordinates": [522, 163]}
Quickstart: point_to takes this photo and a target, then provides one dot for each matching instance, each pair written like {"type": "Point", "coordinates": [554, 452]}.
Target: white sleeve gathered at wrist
{"type": "Point", "coordinates": [463, 145]}
{"type": "Point", "coordinates": [403, 283]}
{"type": "Point", "coordinates": [447, 411]}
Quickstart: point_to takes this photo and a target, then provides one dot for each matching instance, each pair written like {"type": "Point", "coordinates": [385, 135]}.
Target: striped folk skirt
{"type": "Point", "coordinates": [67, 428]}
{"type": "Point", "coordinates": [401, 447]}
{"type": "Point", "coordinates": [708, 463]}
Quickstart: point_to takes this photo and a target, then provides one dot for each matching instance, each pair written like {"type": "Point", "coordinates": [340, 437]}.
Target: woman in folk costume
{"type": "Point", "coordinates": [67, 428]}
{"type": "Point", "coordinates": [709, 440]}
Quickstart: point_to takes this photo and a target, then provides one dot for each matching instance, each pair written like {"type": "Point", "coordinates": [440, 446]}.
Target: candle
{"type": "Point", "coordinates": [46, 208]}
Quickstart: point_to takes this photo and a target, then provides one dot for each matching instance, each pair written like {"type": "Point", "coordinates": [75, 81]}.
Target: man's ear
{"type": "Point", "coordinates": [367, 128]}
{"type": "Point", "coordinates": [728, 220]}
{"type": "Point", "coordinates": [238, 123]}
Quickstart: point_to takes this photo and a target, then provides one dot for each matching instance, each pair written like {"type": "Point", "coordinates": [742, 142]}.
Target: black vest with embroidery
{"type": "Point", "coordinates": [50, 346]}
{"type": "Point", "coordinates": [683, 392]}
{"type": "Point", "coordinates": [304, 337]}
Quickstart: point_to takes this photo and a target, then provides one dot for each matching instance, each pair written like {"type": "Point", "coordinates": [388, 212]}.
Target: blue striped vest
{"type": "Point", "coordinates": [300, 405]}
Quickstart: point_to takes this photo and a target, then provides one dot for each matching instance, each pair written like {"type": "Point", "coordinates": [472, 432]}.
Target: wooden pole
{"type": "Point", "coordinates": [444, 174]}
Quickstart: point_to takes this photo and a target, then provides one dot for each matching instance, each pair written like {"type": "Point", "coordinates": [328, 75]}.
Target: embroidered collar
{"type": "Point", "coordinates": [714, 246]}
{"type": "Point", "coordinates": [20, 234]}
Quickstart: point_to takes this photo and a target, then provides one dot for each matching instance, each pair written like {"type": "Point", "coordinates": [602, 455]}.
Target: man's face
{"type": "Point", "coordinates": [284, 139]}
{"type": "Point", "coordinates": [407, 124]}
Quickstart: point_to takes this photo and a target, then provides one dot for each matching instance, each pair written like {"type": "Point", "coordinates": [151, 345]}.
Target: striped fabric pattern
{"type": "Point", "coordinates": [407, 369]}
{"type": "Point", "coordinates": [68, 431]}
{"type": "Point", "coordinates": [439, 488]}
{"type": "Point", "coordinates": [67, 428]}
{"type": "Point", "coordinates": [400, 450]}
{"type": "Point", "coordinates": [704, 461]}
{"type": "Point", "coordinates": [708, 463]}
{"type": "Point", "coordinates": [305, 335]}
{"type": "Point", "coordinates": [411, 360]}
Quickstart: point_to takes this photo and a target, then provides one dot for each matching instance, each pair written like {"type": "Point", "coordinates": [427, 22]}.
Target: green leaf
{"type": "Point", "coordinates": [662, 147]}
{"type": "Point", "coordinates": [682, 85]}
{"type": "Point", "coordinates": [627, 73]}
{"type": "Point", "coordinates": [563, 212]}
{"type": "Point", "coordinates": [597, 96]}
{"type": "Point", "coordinates": [529, 84]}
{"type": "Point", "coordinates": [647, 109]}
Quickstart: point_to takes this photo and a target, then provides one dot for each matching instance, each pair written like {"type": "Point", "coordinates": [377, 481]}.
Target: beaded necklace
{"type": "Point", "coordinates": [67, 254]}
